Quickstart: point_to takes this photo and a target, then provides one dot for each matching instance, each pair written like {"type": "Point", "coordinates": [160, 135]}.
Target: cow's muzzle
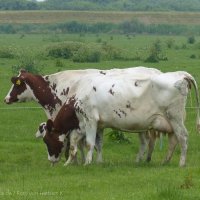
{"type": "Point", "coordinates": [7, 101]}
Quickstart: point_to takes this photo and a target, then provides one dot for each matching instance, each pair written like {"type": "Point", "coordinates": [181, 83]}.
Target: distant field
{"type": "Point", "coordinates": [191, 18]}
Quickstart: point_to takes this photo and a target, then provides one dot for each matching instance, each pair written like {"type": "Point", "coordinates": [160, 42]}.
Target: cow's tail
{"type": "Point", "coordinates": [191, 81]}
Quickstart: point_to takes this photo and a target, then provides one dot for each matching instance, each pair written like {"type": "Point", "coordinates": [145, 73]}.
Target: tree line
{"type": "Point", "coordinates": [125, 5]}
{"type": "Point", "coordinates": [127, 27]}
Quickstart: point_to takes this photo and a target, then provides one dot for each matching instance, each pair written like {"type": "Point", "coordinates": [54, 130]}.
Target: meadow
{"type": "Point", "coordinates": [25, 172]}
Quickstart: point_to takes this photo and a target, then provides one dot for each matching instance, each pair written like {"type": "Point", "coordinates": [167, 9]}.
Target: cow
{"type": "Point", "coordinates": [133, 103]}
{"type": "Point", "coordinates": [51, 91]}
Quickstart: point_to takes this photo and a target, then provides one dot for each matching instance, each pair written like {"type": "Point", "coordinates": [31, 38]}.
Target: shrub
{"type": "Point", "coordinates": [64, 50]}
{"type": "Point", "coordinates": [152, 58]}
{"type": "Point", "coordinates": [27, 63]}
{"type": "Point", "coordinates": [87, 54]}
{"type": "Point", "coordinates": [193, 56]}
{"type": "Point", "coordinates": [118, 136]}
{"type": "Point", "coordinates": [82, 52]}
{"type": "Point", "coordinates": [191, 40]}
{"type": "Point", "coordinates": [94, 56]}
{"type": "Point", "coordinates": [110, 52]}
{"type": "Point", "coordinates": [170, 43]}
{"type": "Point", "coordinates": [155, 50]}
{"type": "Point", "coordinates": [7, 52]}
{"type": "Point", "coordinates": [156, 53]}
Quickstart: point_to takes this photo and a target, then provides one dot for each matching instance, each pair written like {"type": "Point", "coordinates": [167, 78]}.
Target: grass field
{"type": "Point", "coordinates": [25, 172]}
{"type": "Point", "coordinates": [36, 17]}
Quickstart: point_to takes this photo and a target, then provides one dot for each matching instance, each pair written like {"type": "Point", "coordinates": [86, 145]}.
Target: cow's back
{"type": "Point", "coordinates": [114, 101]}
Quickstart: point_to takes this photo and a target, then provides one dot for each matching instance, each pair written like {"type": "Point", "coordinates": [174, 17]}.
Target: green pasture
{"type": "Point", "coordinates": [25, 172]}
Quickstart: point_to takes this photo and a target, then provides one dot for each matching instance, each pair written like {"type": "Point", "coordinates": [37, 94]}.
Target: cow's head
{"type": "Point", "coordinates": [41, 130]}
{"type": "Point", "coordinates": [55, 141]}
{"type": "Point", "coordinates": [18, 91]}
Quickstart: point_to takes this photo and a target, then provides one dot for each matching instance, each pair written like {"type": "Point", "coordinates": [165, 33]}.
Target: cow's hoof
{"type": "Point", "coordinates": [148, 159]}
{"type": "Point", "coordinates": [182, 164]}
{"type": "Point", "coordinates": [66, 164]}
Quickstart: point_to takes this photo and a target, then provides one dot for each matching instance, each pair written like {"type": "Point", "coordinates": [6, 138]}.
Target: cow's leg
{"type": "Point", "coordinates": [181, 133]}
{"type": "Point", "coordinates": [81, 146]}
{"type": "Point", "coordinates": [72, 155]}
{"type": "Point", "coordinates": [91, 129]}
{"type": "Point", "coordinates": [67, 149]}
{"type": "Point", "coordinates": [143, 142]}
{"type": "Point", "coordinates": [171, 147]}
{"type": "Point", "coordinates": [99, 144]}
{"type": "Point", "coordinates": [75, 137]}
{"type": "Point", "coordinates": [151, 144]}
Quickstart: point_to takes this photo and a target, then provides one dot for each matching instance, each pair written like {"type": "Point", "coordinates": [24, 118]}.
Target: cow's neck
{"type": "Point", "coordinates": [44, 94]}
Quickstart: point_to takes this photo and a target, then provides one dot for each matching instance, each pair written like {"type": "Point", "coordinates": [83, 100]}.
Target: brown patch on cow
{"type": "Point", "coordinates": [117, 113]}
{"type": "Point", "coordinates": [94, 88]}
{"type": "Point", "coordinates": [111, 91]}
{"type": "Point", "coordinates": [80, 102]}
{"type": "Point", "coordinates": [66, 119]}
{"type": "Point", "coordinates": [41, 90]}
{"type": "Point", "coordinates": [128, 106]}
{"type": "Point", "coordinates": [79, 109]}
{"type": "Point", "coordinates": [189, 82]}
{"type": "Point", "coordinates": [65, 92]}
{"type": "Point", "coordinates": [54, 86]}
{"type": "Point", "coordinates": [123, 112]}
{"type": "Point", "coordinates": [102, 72]}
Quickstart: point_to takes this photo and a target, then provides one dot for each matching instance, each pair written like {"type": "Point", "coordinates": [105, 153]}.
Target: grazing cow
{"type": "Point", "coordinates": [51, 91]}
{"type": "Point", "coordinates": [130, 103]}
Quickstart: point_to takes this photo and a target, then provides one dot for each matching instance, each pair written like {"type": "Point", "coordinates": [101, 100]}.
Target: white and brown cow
{"type": "Point", "coordinates": [51, 91]}
{"type": "Point", "coordinates": [130, 103]}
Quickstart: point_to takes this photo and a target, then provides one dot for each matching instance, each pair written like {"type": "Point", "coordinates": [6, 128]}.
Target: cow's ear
{"type": "Point", "coordinates": [13, 79]}
{"type": "Point", "coordinates": [22, 71]}
{"type": "Point", "coordinates": [17, 80]}
{"type": "Point", "coordinates": [49, 125]}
